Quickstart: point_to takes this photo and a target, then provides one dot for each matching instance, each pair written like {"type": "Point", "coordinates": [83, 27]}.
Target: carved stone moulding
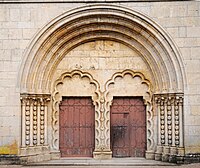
{"type": "Point", "coordinates": [117, 23]}
{"type": "Point", "coordinates": [34, 109]}
{"type": "Point", "coordinates": [169, 108]}
{"type": "Point", "coordinates": [130, 83]}
{"type": "Point", "coordinates": [97, 99]}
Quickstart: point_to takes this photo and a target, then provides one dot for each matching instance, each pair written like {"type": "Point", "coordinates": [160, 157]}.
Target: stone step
{"type": "Point", "coordinates": [93, 162]}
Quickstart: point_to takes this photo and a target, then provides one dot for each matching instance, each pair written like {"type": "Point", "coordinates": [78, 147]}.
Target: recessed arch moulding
{"type": "Point", "coordinates": [97, 46]}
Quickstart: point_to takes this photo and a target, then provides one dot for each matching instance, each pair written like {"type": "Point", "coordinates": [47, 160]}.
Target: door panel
{"type": "Point", "coordinates": [128, 127]}
{"type": "Point", "coordinates": [76, 127]}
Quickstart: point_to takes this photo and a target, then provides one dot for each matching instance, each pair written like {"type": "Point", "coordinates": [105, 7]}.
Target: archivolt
{"type": "Point", "coordinates": [96, 22]}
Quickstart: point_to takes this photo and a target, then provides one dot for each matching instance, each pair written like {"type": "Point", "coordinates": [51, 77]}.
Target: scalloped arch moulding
{"type": "Point", "coordinates": [162, 93]}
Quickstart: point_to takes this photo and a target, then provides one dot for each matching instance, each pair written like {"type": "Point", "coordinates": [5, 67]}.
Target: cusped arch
{"type": "Point", "coordinates": [96, 22]}
{"type": "Point", "coordinates": [57, 98]}
{"type": "Point", "coordinates": [139, 91]}
{"type": "Point", "coordinates": [133, 74]}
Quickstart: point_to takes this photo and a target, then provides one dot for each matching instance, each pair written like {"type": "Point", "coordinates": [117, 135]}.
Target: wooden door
{"type": "Point", "coordinates": [128, 127]}
{"type": "Point", "coordinates": [76, 127]}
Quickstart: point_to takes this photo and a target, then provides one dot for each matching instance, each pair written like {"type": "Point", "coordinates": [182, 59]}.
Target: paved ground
{"type": "Point", "coordinates": [197, 165]}
{"type": "Point", "coordinates": [112, 163]}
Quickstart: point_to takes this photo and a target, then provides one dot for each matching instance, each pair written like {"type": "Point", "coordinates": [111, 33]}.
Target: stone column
{"type": "Point", "coordinates": [38, 122]}
{"type": "Point", "coordinates": [23, 134]}
{"type": "Point", "coordinates": [167, 111]}
{"type": "Point", "coordinates": [159, 150]}
{"type": "Point", "coordinates": [45, 122]}
{"type": "Point", "coordinates": [173, 149]}
{"type": "Point", "coordinates": [31, 121]}
{"type": "Point", "coordinates": [181, 150]}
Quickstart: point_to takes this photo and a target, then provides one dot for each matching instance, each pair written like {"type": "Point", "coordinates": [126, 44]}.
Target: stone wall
{"type": "Point", "coordinates": [20, 22]}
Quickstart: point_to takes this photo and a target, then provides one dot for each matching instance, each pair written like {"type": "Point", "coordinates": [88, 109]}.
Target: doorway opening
{"type": "Point", "coordinates": [128, 127]}
{"type": "Point", "coordinates": [76, 120]}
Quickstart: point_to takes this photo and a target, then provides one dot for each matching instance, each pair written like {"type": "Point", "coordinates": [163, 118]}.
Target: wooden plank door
{"type": "Point", "coordinates": [76, 127]}
{"type": "Point", "coordinates": [128, 127]}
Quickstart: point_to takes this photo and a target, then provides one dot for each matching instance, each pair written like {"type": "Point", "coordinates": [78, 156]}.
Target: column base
{"type": "Point", "coordinates": [34, 150]}
{"type": "Point", "coordinates": [150, 155]}
{"type": "Point", "coordinates": [165, 155]}
{"type": "Point", "coordinates": [173, 154]}
{"type": "Point", "coordinates": [158, 154]}
{"type": "Point", "coordinates": [181, 151]}
{"type": "Point", "coordinates": [55, 155]}
{"type": "Point", "coordinates": [173, 150]}
{"type": "Point", "coordinates": [101, 155]}
{"type": "Point", "coordinates": [34, 154]}
{"type": "Point", "coordinates": [35, 158]}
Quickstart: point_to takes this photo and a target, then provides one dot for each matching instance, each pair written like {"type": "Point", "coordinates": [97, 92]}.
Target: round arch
{"type": "Point", "coordinates": [95, 22]}
{"type": "Point", "coordinates": [122, 25]}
